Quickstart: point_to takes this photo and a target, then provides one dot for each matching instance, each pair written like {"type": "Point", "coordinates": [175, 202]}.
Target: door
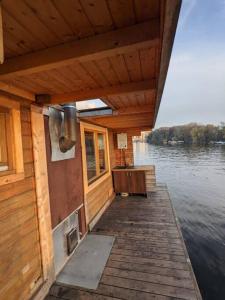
{"type": "Point", "coordinates": [121, 181]}
{"type": "Point", "coordinates": [137, 182]}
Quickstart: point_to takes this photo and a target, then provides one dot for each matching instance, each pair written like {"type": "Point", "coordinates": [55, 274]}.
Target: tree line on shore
{"type": "Point", "coordinates": [192, 133]}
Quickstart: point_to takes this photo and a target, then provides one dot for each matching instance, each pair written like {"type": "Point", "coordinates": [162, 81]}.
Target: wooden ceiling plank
{"type": "Point", "coordinates": [93, 70]}
{"type": "Point", "coordinates": [83, 74]}
{"type": "Point", "coordinates": [131, 101]}
{"type": "Point", "coordinates": [60, 77]}
{"type": "Point", "coordinates": [9, 88]}
{"type": "Point", "coordinates": [14, 44]}
{"type": "Point", "coordinates": [69, 75]}
{"type": "Point", "coordinates": [25, 15]}
{"type": "Point", "coordinates": [146, 9]}
{"type": "Point", "coordinates": [140, 98]}
{"type": "Point", "coordinates": [148, 67]}
{"type": "Point", "coordinates": [73, 12]}
{"type": "Point", "coordinates": [36, 83]}
{"type": "Point", "coordinates": [9, 52]}
{"type": "Point", "coordinates": [107, 70]}
{"type": "Point", "coordinates": [122, 101]}
{"type": "Point", "coordinates": [51, 18]}
{"type": "Point", "coordinates": [119, 66]}
{"type": "Point", "coordinates": [150, 97]}
{"type": "Point", "coordinates": [44, 85]}
{"type": "Point", "coordinates": [98, 14]}
{"type": "Point", "coordinates": [114, 100]}
{"type": "Point", "coordinates": [108, 102]}
{"type": "Point", "coordinates": [104, 45]}
{"type": "Point", "coordinates": [122, 12]}
{"type": "Point", "coordinates": [134, 99]}
{"type": "Point", "coordinates": [31, 87]}
{"type": "Point", "coordinates": [102, 92]}
{"type": "Point", "coordinates": [133, 64]}
{"type": "Point", "coordinates": [137, 109]}
{"type": "Point", "coordinates": [50, 79]}
{"type": "Point", "coordinates": [21, 34]}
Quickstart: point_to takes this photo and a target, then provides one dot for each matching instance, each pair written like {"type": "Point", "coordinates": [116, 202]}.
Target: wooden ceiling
{"type": "Point", "coordinates": [76, 50]}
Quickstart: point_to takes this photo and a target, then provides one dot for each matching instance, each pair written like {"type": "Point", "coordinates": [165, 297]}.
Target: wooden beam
{"type": "Point", "coordinates": [169, 25]}
{"type": "Point", "coordinates": [8, 88]}
{"type": "Point", "coordinates": [135, 130]}
{"type": "Point", "coordinates": [111, 43]}
{"type": "Point", "coordinates": [131, 110]}
{"type": "Point", "coordinates": [1, 37]}
{"type": "Point", "coordinates": [139, 109]}
{"type": "Point", "coordinates": [97, 93]}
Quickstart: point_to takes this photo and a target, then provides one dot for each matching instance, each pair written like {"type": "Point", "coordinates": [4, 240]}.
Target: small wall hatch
{"type": "Point", "coordinates": [72, 240]}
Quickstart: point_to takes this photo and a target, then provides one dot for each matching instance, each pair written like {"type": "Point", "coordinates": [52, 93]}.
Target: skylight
{"type": "Point", "coordinates": [94, 103]}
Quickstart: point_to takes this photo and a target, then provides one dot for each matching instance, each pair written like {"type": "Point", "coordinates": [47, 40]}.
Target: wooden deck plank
{"type": "Point", "coordinates": [153, 278]}
{"type": "Point", "coordinates": [148, 259]}
{"type": "Point", "coordinates": [144, 268]}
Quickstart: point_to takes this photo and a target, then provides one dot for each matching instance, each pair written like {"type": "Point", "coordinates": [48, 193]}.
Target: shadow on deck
{"type": "Point", "coordinates": [148, 260]}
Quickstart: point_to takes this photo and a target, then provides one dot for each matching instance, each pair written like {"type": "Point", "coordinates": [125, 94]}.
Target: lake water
{"type": "Point", "coordinates": [195, 177]}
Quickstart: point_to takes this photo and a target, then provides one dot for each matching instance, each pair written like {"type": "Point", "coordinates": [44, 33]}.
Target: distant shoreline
{"type": "Point", "coordinates": [190, 134]}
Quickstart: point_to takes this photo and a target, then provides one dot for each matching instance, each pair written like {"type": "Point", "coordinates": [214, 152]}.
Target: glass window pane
{"type": "Point", "coordinates": [3, 141]}
{"type": "Point", "coordinates": [101, 152]}
{"type": "Point", "coordinates": [90, 155]}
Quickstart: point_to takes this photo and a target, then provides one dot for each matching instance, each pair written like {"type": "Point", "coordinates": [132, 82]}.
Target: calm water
{"type": "Point", "coordinates": [196, 180]}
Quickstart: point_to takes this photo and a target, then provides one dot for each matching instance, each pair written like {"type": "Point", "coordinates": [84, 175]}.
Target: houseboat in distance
{"type": "Point", "coordinates": [67, 229]}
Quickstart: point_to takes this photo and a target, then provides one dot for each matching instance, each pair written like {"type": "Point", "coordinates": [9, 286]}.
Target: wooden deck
{"type": "Point", "coordinates": [148, 260]}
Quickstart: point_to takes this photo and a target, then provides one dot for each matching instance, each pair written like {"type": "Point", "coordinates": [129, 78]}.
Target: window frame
{"type": "Point", "coordinates": [14, 138]}
{"type": "Point", "coordinates": [100, 176]}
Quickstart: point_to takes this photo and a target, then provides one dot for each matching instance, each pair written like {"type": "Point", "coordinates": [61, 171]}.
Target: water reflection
{"type": "Point", "coordinates": [196, 180]}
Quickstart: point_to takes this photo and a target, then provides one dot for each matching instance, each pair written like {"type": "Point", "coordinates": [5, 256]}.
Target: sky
{"type": "Point", "coordinates": [90, 104]}
{"type": "Point", "coordinates": [195, 85]}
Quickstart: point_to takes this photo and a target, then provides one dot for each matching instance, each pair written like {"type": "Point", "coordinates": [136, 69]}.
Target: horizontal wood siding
{"type": "Point", "coordinates": [20, 268]}
{"type": "Point", "coordinates": [97, 198]}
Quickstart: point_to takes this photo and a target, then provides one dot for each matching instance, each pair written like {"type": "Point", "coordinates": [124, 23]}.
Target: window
{"type": "Point", "coordinates": [101, 152]}
{"type": "Point", "coordinates": [96, 162]}
{"type": "Point", "coordinates": [11, 154]}
{"type": "Point", "coordinates": [90, 155]}
{"type": "Point", "coordinates": [5, 144]}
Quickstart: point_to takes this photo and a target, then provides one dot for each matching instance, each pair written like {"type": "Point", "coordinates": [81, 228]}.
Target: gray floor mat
{"type": "Point", "coordinates": [86, 265]}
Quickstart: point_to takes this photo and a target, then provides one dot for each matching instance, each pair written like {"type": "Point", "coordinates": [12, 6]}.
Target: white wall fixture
{"type": "Point", "coordinates": [122, 141]}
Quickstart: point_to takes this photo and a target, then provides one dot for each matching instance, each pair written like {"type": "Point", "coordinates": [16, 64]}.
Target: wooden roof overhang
{"type": "Point", "coordinates": [61, 51]}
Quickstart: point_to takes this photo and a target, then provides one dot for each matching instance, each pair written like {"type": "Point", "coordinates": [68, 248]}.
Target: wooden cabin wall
{"type": "Point", "coordinates": [98, 197]}
{"type": "Point", "coordinates": [65, 182]}
{"type": "Point", "coordinates": [20, 267]}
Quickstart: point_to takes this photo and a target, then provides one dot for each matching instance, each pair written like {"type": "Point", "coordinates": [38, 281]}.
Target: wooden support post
{"type": "Point", "coordinates": [43, 204]}
{"type": "Point", "coordinates": [1, 37]}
